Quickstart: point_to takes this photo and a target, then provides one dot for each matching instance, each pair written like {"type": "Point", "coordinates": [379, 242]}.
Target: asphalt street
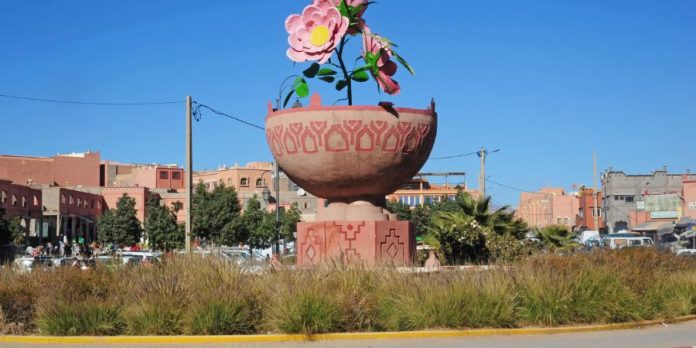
{"type": "Point", "coordinates": [669, 336]}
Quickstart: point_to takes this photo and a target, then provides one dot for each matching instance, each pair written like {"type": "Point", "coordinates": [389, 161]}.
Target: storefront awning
{"type": "Point", "coordinates": [660, 227]}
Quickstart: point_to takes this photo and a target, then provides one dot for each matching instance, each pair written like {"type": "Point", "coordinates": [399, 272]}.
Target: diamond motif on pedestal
{"type": "Point", "coordinates": [310, 252]}
{"type": "Point", "coordinates": [392, 250]}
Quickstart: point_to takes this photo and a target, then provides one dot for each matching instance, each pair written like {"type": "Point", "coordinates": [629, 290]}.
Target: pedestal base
{"type": "Point", "coordinates": [356, 242]}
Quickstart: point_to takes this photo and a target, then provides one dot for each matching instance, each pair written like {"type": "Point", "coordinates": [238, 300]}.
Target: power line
{"type": "Point", "coordinates": [61, 101]}
{"type": "Point", "coordinates": [197, 114]}
{"type": "Point", "coordinates": [454, 156]}
{"type": "Point", "coordinates": [516, 188]}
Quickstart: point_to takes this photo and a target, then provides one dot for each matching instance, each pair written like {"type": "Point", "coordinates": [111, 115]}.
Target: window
{"type": "Point", "coordinates": [558, 221]}
{"type": "Point", "coordinates": [98, 205]}
{"type": "Point", "coordinates": [164, 174]}
{"type": "Point", "coordinates": [70, 199]}
{"type": "Point", "coordinates": [79, 202]}
{"type": "Point", "coordinates": [259, 182]}
{"type": "Point", "coordinates": [176, 175]}
{"type": "Point", "coordinates": [244, 182]}
{"type": "Point", "coordinates": [36, 200]}
{"type": "Point", "coordinates": [62, 198]}
{"type": "Point", "coordinates": [3, 196]}
{"type": "Point", "coordinates": [629, 199]}
{"type": "Point", "coordinates": [92, 204]}
{"type": "Point", "coordinates": [24, 201]}
{"type": "Point", "coordinates": [14, 200]}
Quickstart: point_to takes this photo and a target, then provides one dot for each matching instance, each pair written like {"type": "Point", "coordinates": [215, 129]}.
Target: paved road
{"type": "Point", "coordinates": [672, 336]}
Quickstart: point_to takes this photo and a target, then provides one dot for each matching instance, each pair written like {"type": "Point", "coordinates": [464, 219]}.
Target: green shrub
{"type": "Point", "coordinates": [307, 313]}
{"type": "Point", "coordinates": [449, 301]}
{"type": "Point", "coordinates": [545, 299]}
{"type": "Point", "coordinates": [155, 319]}
{"type": "Point", "coordinates": [88, 318]}
{"type": "Point", "coordinates": [222, 318]}
{"type": "Point", "coordinates": [673, 296]}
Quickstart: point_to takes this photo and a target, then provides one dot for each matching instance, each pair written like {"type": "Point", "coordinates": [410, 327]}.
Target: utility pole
{"type": "Point", "coordinates": [482, 176]}
{"type": "Point", "coordinates": [596, 211]}
{"type": "Point", "coordinates": [189, 174]}
{"type": "Point", "coordinates": [277, 212]}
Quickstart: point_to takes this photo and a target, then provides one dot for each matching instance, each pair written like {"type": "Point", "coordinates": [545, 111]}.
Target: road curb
{"type": "Point", "coordinates": [330, 336]}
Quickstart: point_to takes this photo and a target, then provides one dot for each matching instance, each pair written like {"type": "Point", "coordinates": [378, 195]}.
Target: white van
{"type": "Point", "coordinates": [619, 242]}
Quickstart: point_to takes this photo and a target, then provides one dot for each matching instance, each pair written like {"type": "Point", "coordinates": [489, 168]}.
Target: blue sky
{"type": "Point", "coordinates": [545, 81]}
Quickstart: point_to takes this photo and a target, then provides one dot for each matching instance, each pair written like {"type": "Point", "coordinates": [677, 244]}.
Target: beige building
{"type": "Point", "coordinates": [255, 177]}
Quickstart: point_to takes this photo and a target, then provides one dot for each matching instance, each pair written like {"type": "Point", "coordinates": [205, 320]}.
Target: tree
{"type": "Point", "coordinates": [17, 231]}
{"type": "Point", "coordinates": [5, 237]}
{"type": "Point", "coordinates": [215, 214]}
{"type": "Point", "coordinates": [400, 209]}
{"type": "Point", "coordinates": [120, 225]}
{"type": "Point", "coordinates": [259, 225]}
{"type": "Point", "coordinates": [288, 222]}
{"type": "Point", "coordinates": [555, 238]}
{"type": "Point", "coordinates": [161, 229]}
{"type": "Point", "coordinates": [461, 238]}
{"type": "Point", "coordinates": [500, 235]}
{"type": "Point", "coordinates": [420, 219]}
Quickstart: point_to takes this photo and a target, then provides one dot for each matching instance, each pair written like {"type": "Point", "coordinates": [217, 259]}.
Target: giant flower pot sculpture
{"type": "Point", "coordinates": [352, 156]}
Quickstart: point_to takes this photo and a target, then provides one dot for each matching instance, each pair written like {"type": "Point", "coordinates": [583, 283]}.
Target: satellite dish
{"type": "Point", "coordinates": [301, 192]}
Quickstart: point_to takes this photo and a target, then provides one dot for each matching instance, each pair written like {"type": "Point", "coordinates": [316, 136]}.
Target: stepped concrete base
{"type": "Point", "coordinates": [366, 243]}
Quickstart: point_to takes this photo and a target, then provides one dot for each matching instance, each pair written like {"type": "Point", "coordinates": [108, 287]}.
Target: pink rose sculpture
{"type": "Point", "coordinates": [325, 27]}
{"type": "Point", "coordinates": [386, 68]}
{"type": "Point", "coordinates": [315, 34]}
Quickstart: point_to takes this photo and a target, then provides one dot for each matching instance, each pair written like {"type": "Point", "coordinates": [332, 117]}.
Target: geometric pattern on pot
{"type": "Point", "coordinates": [311, 137]}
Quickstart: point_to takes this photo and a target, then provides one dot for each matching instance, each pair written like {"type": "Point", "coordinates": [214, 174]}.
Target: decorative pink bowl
{"type": "Point", "coordinates": [350, 153]}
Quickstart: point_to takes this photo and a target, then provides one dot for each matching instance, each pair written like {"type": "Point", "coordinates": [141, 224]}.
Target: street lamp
{"type": "Point", "coordinates": [266, 194]}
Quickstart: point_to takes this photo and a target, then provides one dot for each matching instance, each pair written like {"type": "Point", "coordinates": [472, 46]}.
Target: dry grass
{"type": "Point", "coordinates": [191, 295]}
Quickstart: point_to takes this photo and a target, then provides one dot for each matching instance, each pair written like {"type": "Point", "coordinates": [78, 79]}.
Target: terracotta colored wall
{"type": "Point", "coordinates": [181, 214]}
{"type": "Point", "coordinates": [233, 177]}
{"type": "Point", "coordinates": [549, 206]}
{"type": "Point", "coordinates": [62, 170]}
{"type": "Point", "coordinates": [27, 201]}
{"type": "Point", "coordinates": [140, 194]}
{"type": "Point", "coordinates": [80, 203]}
{"type": "Point", "coordinates": [174, 178]}
{"type": "Point", "coordinates": [586, 203]}
{"type": "Point", "coordinates": [689, 195]}
{"type": "Point", "coordinates": [535, 209]}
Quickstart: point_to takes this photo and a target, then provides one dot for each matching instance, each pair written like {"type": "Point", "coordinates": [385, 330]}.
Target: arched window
{"type": "Point", "coordinates": [260, 183]}
{"type": "Point", "coordinates": [244, 182]}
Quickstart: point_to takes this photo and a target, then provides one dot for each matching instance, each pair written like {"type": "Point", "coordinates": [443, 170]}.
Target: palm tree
{"type": "Point", "coordinates": [501, 221]}
{"type": "Point", "coordinates": [556, 238]}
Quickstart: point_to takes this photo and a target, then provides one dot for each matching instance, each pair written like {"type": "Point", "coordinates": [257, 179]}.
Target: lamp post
{"type": "Point", "coordinates": [266, 194]}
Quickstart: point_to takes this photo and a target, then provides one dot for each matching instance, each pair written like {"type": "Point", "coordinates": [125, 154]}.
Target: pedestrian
{"type": "Point", "coordinates": [61, 248]}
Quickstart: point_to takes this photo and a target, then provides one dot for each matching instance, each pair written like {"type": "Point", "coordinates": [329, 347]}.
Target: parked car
{"type": "Point", "coordinates": [24, 264]}
{"type": "Point", "coordinates": [622, 240]}
{"type": "Point", "coordinates": [686, 252]}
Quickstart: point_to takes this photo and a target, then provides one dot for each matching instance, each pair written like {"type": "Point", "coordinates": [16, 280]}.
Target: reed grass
{"type": "Point", "coordinates": [194, 295]}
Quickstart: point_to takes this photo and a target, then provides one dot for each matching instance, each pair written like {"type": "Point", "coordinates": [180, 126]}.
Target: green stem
{"type": "Point", "coordinates": [346, 76]}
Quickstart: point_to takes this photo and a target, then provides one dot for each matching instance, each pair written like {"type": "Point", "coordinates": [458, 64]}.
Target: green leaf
{"type": "Point", "coordinates": [297, 82]}
{"type": "Point", "coordinates": [341, 84]}
{"type": "Point", "coordinates": [311, 71]}
{"type": "Point", "coordinates": [344, 9]}
{"type": "Point", "coordinates": [287, 98]}
{"type": "Point", "coordinates": [326, 72]}
{"type": "Point", "coordinates": [302, 89]}
{"type": "Point", "coordinates": [404, 63]}
{"type": "Point", "coordinates": [327, 78]}
{"type": "Point", "coordinates": [360, 76]}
